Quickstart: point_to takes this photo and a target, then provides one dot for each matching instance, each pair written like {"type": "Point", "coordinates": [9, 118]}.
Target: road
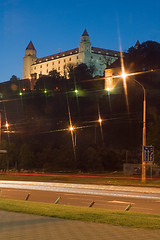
{"type": "Point", "coordinates": [142, 199]}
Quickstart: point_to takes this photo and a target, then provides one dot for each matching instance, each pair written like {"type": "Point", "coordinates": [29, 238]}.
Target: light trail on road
{"type": "Point", "coordinates": [115, 191]}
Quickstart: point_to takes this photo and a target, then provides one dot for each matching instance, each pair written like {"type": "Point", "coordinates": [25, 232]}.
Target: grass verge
{"type": "Point", "coordinates": [118, 218]}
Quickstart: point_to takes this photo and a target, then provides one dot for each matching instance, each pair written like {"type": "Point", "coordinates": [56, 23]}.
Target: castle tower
{"type": "Point", "coordinates": [85, 44]}
{"type": "Point", "coordinates": [28, 60]}
{"type": "Point", "coordinates": [85, 47]}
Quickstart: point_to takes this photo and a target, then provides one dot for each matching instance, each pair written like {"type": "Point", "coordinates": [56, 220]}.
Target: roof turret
{"type": "Point", "coordinates": [85, 33]}
{"type": "Point", "coordinates": [137, 45]}
{"type": "Point", "coordinates": [30, 46]}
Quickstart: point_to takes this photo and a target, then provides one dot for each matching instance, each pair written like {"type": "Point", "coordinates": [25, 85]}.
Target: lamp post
{"type": "Point", "coordinates": [143, 132]}
{"type": "Point", "coordinates": [124, 75]}
{"type": "Point", "coordinates": [144, 138]}
{"type": "Point", "coordinates": [0, 130]}
{"type": "Point", "coordinates": [144, 128]}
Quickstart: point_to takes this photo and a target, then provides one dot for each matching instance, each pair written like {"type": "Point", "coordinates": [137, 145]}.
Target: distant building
{"type": "Point", "coordinates": [98, 58]}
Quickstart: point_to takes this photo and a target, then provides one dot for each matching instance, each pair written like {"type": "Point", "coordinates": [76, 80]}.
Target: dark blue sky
{"type": "Point", "coordinates": [57, 24]}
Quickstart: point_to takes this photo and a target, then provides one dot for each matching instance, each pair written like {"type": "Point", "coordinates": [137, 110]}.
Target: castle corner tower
{"type": "Point", "coordinates": [28, 60]}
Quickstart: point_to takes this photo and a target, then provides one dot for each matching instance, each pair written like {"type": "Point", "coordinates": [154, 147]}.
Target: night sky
{"type": "Point", "coordinates": [54, 24]}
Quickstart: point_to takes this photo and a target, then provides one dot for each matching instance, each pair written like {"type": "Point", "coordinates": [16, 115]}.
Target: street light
{"type": "Point", "coordinates": [100, 120]}
{"type": "Point", "coordinates": [73, 134]}
{"type": "Point", "coordinates": [7, 125]}
{"type": "Point", "coordinates": [124, 75]}
{"type": "Point", "coordinates": [143, 133]}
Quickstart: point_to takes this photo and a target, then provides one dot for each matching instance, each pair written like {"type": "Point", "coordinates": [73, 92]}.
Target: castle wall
{"type": "Point", "coordinates": [60, 65]}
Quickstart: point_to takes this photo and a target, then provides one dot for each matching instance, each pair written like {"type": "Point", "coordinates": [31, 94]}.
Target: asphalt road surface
{"type": "Point", "coordinates": [142, 199]}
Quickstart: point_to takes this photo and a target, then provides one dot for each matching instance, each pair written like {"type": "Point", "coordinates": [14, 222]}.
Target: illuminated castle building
{"type": "Point", "coordinates": [33, 66]}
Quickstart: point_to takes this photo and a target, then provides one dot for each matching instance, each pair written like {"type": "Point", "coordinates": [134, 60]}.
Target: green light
{"type": "Point", "coordinates": [45, 91]}
{"type": "Point", "coordinates": [20, 93]}
{"type": "Point", "coordinates": [76, 91]}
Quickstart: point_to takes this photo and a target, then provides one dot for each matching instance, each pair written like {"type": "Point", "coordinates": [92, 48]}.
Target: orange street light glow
{"type": "Point", "coordinates": [7, 125]}
{"type": "Point", "coordinates": [124, 75]}
{"type": "Point", "coordinates": [71, 128]}
{"type": "Point", "coordinates": [100, 120]}
{"type": "Point", "coordinates": [107, 89]}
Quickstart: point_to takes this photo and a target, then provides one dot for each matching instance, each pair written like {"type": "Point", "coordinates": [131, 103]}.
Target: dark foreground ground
{"type": "Point", "coordinates": [17, 226]}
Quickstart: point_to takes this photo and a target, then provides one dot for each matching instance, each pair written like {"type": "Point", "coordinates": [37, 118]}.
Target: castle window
{"type": "Point", "coordinates": [53, 63]}
{"type": "Point", "coordinates": [47, 64]}
{"type": "Point", "coordinates": [47, 71]}
{"type": "Point", "coordinates": [41, 66]}
{"type": "Point", "coordinates": [58, 62]}
{"type": "Point", "coordinates": [64, 60]}
{"type": "Point", "coordinates": [100, 58]}
{"type": "Point", "coordinates": [69, 59]}
{"type": "Point", "coordinates": [58, 68]}
{"type": "Point", "coordinates": [77, 57]}
{"type": "Point", "coordinates": [34, 67]}
{"type": "Point", "coordinates": [91, 57]}
{"type": "Point", "coordinates": [40, 72]}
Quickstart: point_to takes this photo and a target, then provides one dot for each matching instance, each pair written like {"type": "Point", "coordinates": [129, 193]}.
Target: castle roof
{"type": "Point", "coordinates": [71, 52]}
{"type": "Point", "coordinates": [106, 52]}
{"type": "Point", "coordinates": [85, 33]}
{"type": "Point", "coordinates": [30, 46]}
{"type": "Point", "coordinates": [58, 55]}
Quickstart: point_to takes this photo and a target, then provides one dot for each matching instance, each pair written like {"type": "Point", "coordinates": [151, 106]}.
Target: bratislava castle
{"type": "Point", "coordinates": [94, 57]}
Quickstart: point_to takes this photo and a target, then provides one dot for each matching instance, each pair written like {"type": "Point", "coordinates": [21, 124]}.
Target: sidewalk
{"type": "Point", "coordinates": [17, 226]}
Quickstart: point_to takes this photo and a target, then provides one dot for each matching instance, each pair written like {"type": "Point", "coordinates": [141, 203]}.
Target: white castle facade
{"type": "Point", "coordinates": [85, 53]}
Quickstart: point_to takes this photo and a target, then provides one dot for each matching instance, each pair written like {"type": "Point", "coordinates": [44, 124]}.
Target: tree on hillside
{"type": "Point", "coordinates": [143, 57]}
{"type": "Point", "coordinates": [153, 136]}
{"type": "Point", "coordinates": [79, 75]}
{"type": "Point", "coordinates": [53, 81]}
{"type": "Point", "coordinates": [14, 78]}
{"type": "Point", "coordinates": [26, 157]}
